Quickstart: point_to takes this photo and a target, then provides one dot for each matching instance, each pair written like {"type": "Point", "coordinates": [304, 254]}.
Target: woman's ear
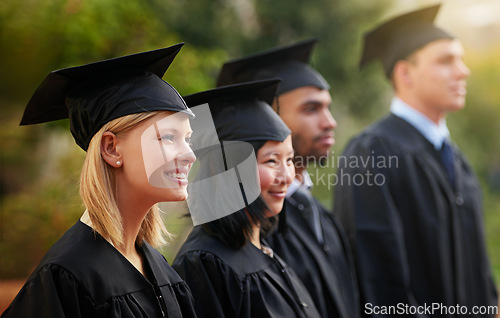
{"type": "Point", "coordinates": [109, 150]}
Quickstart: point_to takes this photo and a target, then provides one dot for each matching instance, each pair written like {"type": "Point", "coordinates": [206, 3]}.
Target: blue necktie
{"type": "Point", "coordinates": [446, 153]}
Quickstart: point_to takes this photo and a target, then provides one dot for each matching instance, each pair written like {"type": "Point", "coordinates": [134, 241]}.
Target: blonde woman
{"type": "Point", "coordinates": [136, 130]}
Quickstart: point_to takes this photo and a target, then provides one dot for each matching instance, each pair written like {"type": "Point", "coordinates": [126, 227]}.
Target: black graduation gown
{"type": "Point", "coordinates": [82, 275]}
{"type": "Point", "coordinates": [327, 269]}
{"type": "Point", "coordinates": [228, 282]}
{"type": "Point", "coordinates": [418, 239]}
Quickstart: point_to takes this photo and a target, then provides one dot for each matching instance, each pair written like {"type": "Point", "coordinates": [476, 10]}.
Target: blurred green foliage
{"type": "Point", "coordinates": [39, 165]}
{"type": "Point", "coordinates": [476, 129]}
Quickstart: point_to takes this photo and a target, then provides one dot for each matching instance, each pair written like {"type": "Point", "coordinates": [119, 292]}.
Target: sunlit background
{"type": "Point", "coordinates": [40, 165]}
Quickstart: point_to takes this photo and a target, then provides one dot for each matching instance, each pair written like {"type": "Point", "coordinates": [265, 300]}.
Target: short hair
{"type": "Point", "coordinates": [98, 189]}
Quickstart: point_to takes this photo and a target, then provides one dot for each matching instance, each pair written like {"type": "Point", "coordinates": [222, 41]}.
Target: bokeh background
{"type": "Point", "coordinates": [40, 165]}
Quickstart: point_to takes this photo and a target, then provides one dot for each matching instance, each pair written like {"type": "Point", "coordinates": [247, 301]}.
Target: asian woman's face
{"type": "Point", "coordinates": [276, 172]}
{"type": "Point", "coordinates": [157, 158]}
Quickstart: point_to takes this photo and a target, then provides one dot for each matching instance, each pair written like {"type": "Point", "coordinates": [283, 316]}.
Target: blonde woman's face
{"type": "Point", "coordinates": [157, 158]}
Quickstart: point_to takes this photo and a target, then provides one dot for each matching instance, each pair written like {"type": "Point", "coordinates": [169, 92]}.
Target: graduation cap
{"type": "Point", "coordinates": [397, 38]}
{"type": "Point", "coordinates": [93, 94]}
{"type": "Point", "coordinates": [242, 111]}
{"type": "Point", "coordinates": [226, 178]}
{"type": "Point", "coordinates": [287, 63]}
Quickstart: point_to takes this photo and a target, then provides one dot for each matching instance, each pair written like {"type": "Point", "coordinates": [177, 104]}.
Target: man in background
{"type": "Point", "coordinates": [417, 227]}
{"type": "Point", "coordinates": [308, 238]}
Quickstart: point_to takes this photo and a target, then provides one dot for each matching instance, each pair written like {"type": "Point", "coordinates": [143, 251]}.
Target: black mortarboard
{"type": "Point", "coordinates": [242, 111]}
{"type": "Point", "coordinates": [93, 94]}
{"type": "Point", "coordinates": [288, 63]}
{"type": "Point", "coordinates": [226, 177]}
{"type": "Point", "coordinates": [397, 38]}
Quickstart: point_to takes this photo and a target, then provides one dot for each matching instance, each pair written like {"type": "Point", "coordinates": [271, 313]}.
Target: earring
{"type": "Point", "coordinates": [118, 163]}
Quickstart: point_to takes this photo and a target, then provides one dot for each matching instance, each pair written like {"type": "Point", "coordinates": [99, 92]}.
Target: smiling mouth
{"type": "Point", "coordinates": [181, 178]}
{"type": "Point", "coordinates": [279, 194]}
{"type": "Point", "coordinates": [175, 175]}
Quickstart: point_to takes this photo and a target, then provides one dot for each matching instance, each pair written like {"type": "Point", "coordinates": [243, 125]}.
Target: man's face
{"type": "Point", "coordinates": [306, 112]}
{"type": "Point", "coordinates": [438, 76]}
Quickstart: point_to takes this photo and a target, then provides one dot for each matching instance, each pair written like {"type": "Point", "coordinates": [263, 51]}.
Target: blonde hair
{"type": "Point", "coordinates": [97, 189]}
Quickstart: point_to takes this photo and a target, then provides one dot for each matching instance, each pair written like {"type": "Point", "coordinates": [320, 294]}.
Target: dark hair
{"type": "Point", "coordinates": [235, 229]}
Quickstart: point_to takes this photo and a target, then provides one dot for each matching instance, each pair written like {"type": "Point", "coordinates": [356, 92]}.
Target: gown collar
{"type": "Point", "coordinates": [435, 134]}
